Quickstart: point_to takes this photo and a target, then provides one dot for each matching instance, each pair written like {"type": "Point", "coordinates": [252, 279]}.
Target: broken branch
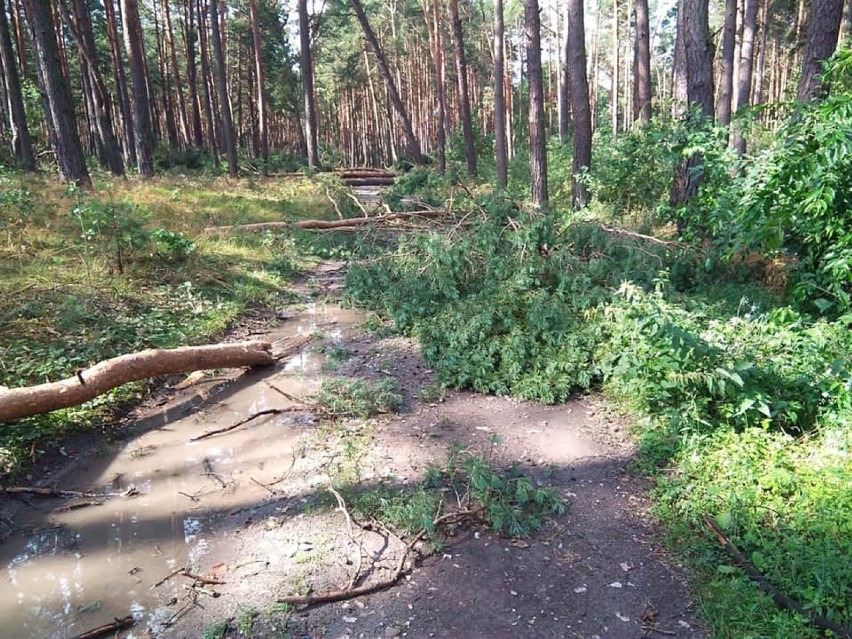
{"type": "Point", "coordinates": [102, 377]}
{"type": "Point", "coordinates": [310, 225]}
{"type": "Point", "coordinates": [100, 631]}
{"type": "Point", "coordinates": [260, 413]}
{"type": "Point", "coordinates": [763, 583]}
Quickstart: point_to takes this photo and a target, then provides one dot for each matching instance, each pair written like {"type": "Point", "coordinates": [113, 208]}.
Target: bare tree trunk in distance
{"type": "Point", "coordinates": [431, 13]}
{"type": "Point", "coordinates": [81, 26]}
{"type": "Point", "coordinates": [746, 66]}
{"type": "Point", "coordinates": [21, 142]}
{"type": "Point", "coordinates": [613, 97]}
{"type": "Point", "coordinates": [698, 58]}
{"type": "Point", "coordinates": [464, 93]}
{"type": "Point", "coordinates": [191, 39]}
{"type": "Point", "coordinates": [500, 146]}
{"type": "Point", "coordinates": [580, 109]}
{"type": "Point", "coordinates": [183, 120]}
{"type": "Point", "coordinates": [307, 65]}
{"type": "Point", "coordinates": [410, 139]}
{"type": "Point", "coordinates": [642, 65]}
{"type": "Point", "coordinates": [538, 141]}
{"type": "Point", "coordinates": [263, 133]}
{"type": "Point", "coordinates": [60, 106]}
{"type": "Point", "coordinates": [565, 85]}
{"type": "Point", "coordinates": [128, 137]}
{"type": "Point", "coordinates": [823, 30]}
{"type": "Point", "coordinates": [726, 78]}
{"type": "Point", "coordinates": [143, 128]}
{"type": "Point", "coordinates": [221, 81]}
{"type": "Point", "coordinates": [761, 54]}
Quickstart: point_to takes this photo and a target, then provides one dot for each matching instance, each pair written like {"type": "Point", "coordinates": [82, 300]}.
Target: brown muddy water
{"type": "Point", "coordinates": [70, 570]}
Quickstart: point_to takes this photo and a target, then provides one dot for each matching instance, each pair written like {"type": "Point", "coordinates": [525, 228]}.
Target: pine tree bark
{"type": "Point", "coordinates": [431, 13]}
{"type": "Point", "coordinates": [726, 77]}
{"type": "Point", "coordinates": [21, 141]}
{"type": "Point", "coordinates": [746, 65]}
{"type": "Point", "coordinates": [823, 30]}
{"type": "Point", "coordinates": [142, 126]}
{"type": "Point", "coordinates": [500, 145]}
{"type": "Point", "coordinates": [580, 109]}
{"type": "Point", "coordinates": [307, 68]}
{"type": "Point", "coordinates": [61, 119]}
{"type": "Point", "coordinates": [410, 139]}
{"type": "Point", "coordinates": [642, 65]}
{"type": "Point", "coordinates": [698, 67]}
{"type": "Point", "coordinates": [538, 140]}
{"type": "Point", "coordinates": [209, 106]}
{"type": "Point", "coordinates": [221, 80]}
{"type": "Point", "coordinates": [463, 89]}
{"type": "Point", "coordinates": [262, 131]}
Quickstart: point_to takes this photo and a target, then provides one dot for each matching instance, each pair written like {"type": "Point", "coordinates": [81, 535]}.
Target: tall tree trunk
{"type": "Point", "coordinates": [642, 65]}
{"type": "Point", "coordinates": [538, 141]}
{"type": "Point", "coordinates": [761, 54]}
{"type": "Point", "coordinates": [143, 129]}
{"type": "Point", "coordinates": [81, 27]}
{"type": "Point", "coordinates": [183, 121]}
{"type": "Point", "coordinates": [307, 67]}
{"type": "Point", "coordinates": [746, 65]}
{"type": "Point", "coordinates": [565, 84]}
{"type": "Point", "coordinates": [410, 139]}
{"type": "Point", "coordinates": [822, 41]}
{"type": "Point", "coordinates": [16, 11]}
{"type": "Point", "coordinates": [60, 106]}
{"type": "Point", "coordinates": [500, 146]}
{"type": "Point", "coordinates": [262, 132]}
{"type": "Point", "coordinates": [433, 26]}
{"type": "Point", "coordinates": [613, 98]}
{"type": "Point", "coordinates": [191, 39]}
{"type": "Point", "coordinates": [463, 89]}
{"type": "Point", "coordinates": [221, 80]}
{"type": "Point", "coordinates": [21, 142]}
{"type": "Point", "coordinates": [580, 109]}
{"type": "Point", "coordinates": [698, 55]}
{"type": "Point", "coordinates": [726, 77]}
{"type": "Point", "coordinates": [120, 79]}
{"type": "Point", "coordinates": [211, 117]}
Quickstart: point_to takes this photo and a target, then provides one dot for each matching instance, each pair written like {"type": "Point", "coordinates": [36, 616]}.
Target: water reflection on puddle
{"type": "Point", "coordinates": [69, 571]}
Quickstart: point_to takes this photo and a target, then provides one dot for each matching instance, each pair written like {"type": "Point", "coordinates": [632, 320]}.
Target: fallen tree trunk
{"type": "Point", "coordinates": [90, 383]}
{"type": "Point", "coordinates": [325, 225]}
{"type": "Point", "coordinates": [375, 180]}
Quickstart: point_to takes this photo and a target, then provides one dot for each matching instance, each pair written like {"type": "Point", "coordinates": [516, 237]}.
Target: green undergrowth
{"type": "Point", "coordinates": [743, 404]}
{"type": "Point", "coordinates": [88, 276]}
{"type": "Point", "coordinates": [508, 501]}
{"type": "Point", "coordinates": [345, 397]}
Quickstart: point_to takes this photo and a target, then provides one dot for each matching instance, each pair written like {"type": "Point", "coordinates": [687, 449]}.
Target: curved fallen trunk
{"type": "Point", "coordinates": [329, 225]}
{"type": "Point", "coordinates": [90, 383]}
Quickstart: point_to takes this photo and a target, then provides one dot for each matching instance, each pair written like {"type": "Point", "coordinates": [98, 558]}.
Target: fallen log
{"type": "Point", "coordinates": [376, 180]}
{"type": "Point", "coordinates": [325, 225]}
{"type": "Point", "coordinates": [102, 377]}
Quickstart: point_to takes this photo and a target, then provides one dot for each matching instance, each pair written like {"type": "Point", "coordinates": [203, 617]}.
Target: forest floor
{"type": "Point", "coordinates": [251, 508]}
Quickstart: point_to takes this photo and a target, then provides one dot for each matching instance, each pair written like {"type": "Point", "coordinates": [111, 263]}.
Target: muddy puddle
{"type": "Point", "coordinates": [68, 570]}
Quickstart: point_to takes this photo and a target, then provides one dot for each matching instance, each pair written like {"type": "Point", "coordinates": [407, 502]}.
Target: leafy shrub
{"type": "Point", "coordinates": [797, 197]}
{"type": "Point", "coordinates": [172, 245]}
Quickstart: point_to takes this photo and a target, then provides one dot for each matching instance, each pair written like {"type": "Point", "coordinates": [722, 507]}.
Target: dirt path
{"type": "Point", "coordinates": [248, 508]}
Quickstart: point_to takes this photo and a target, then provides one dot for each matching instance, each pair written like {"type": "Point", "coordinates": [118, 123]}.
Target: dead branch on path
{"type": "Point", "coordinates": [87, 384]}
{"type": "Point", "coordinates": [260, 413]}
{"type": "Point", "coordinates": [384, 584]}
{"type": "Point", "coordinates": [763, 583]}
{"type": "Point", "coordinates": [116, 626]}
{"type": "Point", "coordinates": [326, 225]}
{"type": "Point", "coordinates": [206, 581]}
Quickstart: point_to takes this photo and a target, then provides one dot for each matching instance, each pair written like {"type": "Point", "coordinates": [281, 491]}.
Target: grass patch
{"type": "Point", "coordinates": [344, 397]}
